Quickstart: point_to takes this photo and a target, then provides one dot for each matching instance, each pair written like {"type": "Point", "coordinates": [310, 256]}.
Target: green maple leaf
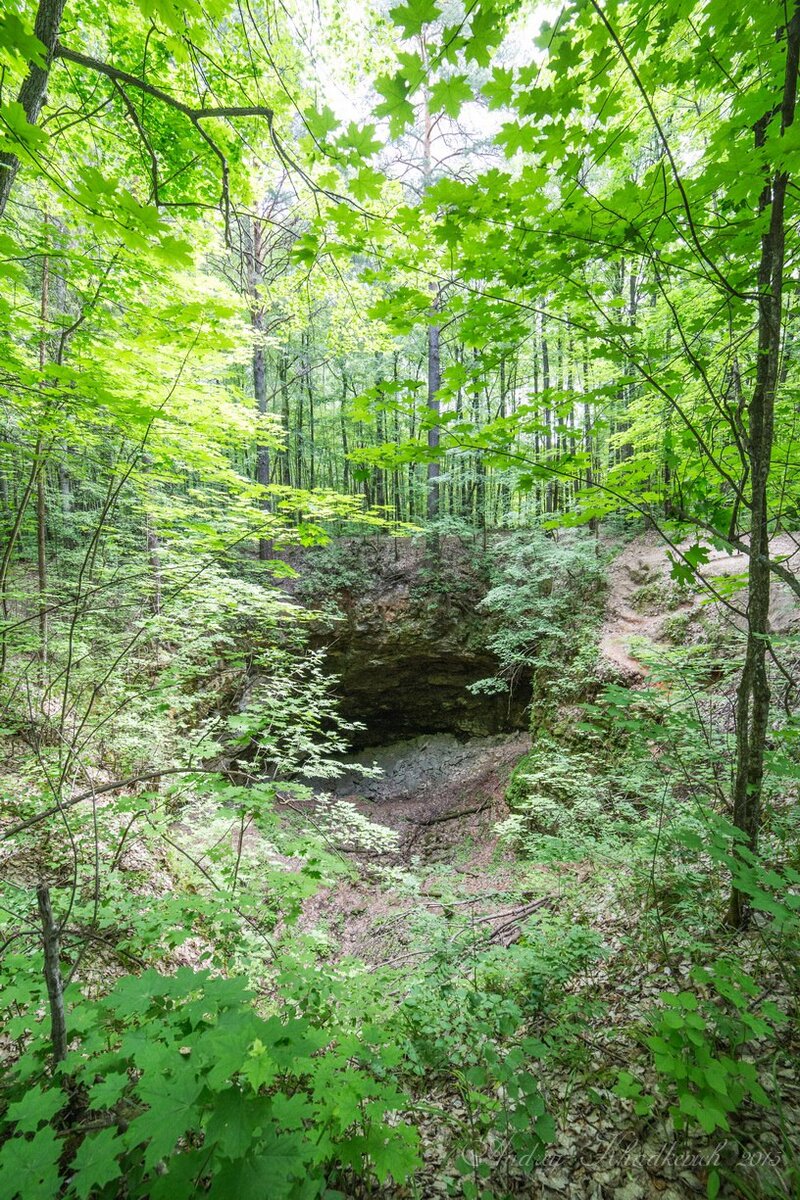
{"type": "Point", "coordinates": [393, 1152]}
{"type": "Point", "coordinates": [16, 41]}
{"type": "Point", "coordinates": [305, 249]}
{"type": "Point", "coordinates": [486, 31]}
{"type": "Point", "coordinates": [14, 120]}
{"type": "Point", "coordinates": [37, 1107]}
{"type": "Point", "coordinates": [395, 104]}
{"type": "Point", "coordinates": [172, 1110]}
{"type": "Point", "coordinates": [513, 137]}
{"type": "Point", "coordinates": [96, 1164]}
{"type": "Point", "coordinates": [697, 556]}
{"type": "Point", "coordinates": [450, 94]}
{"type": "Point", "coordinates": [320, 122]}
{"type": "Point", "coordinates": [452, 42]}
{"type": "Point", "coordinates": [274, 1172]}
{"type": "Point", "coordinates": [235, 1121]}
{"type": "Point", "coordinates": [29, 1169]}
{"type": "Point", "coordinates": [449, 232]}
{"type": "Point", "coordinates": [109, 1090]}
{"type": "Point", "coordinates": [181, 1178]}
{"type": "Point", "coordinates": [225, 1048]}
{"type": "Point", "coordinates": [412, 67]}
{"type": "Point", "coordinates": [367, 184]}
{"type": "Point", "coordinates": [361, 139]}
{"type": "Point", "coordinates": [499, 90]}
{"type": "Point", "coordinates": [414, 15]}
{"type": "Point", "coordinates": [135, 994]}
{"type": "Point", "coordinates": [347, 221]}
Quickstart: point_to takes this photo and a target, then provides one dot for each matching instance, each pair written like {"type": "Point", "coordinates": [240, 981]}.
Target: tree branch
{"type": "Point", "coordinates": [120, 76]}
{"type": "Point", "coordinates": [195, 115]}
{"type": "Point", "coordinates": [37, 818]}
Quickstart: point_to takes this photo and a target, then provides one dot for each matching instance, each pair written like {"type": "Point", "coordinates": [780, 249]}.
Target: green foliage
{"type": "Point", "coordinates": [700, 1042]}
{"type": "Point", "coordinates": [177, 1079]}
{"type": "Point", "coordinates": [566, 805]}
{"type": "Point", "coordinates": [470, 1033]}
{"type": "Point", "coordinates": [341, 566]}
{"type": "Point", "coordinates": [657, 596]}
{"type": "Point", "coordinates": [551, 953]}
{"type": "Point", "coordinates": [675, 628]}
{"type": "Point", "coordinates": [544, 594]}
{"type": "Point", "coordinates": [219, 314]}
{"type": "Point", "coordinates": [288, 726]}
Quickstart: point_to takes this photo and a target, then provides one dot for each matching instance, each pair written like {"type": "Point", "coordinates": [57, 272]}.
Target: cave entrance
{"type": "Point", "coordinates": [423, 692]}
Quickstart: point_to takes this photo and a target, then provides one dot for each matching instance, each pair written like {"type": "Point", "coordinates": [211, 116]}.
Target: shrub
{"type": "Point", "coordinates": [176, 1085]}
{"type": "Point", "coordinates": [562, 806]}
{"type": "Point", "coordinates": [698, 1042]}
{"type": "Point", "coordinates": [543, 596]}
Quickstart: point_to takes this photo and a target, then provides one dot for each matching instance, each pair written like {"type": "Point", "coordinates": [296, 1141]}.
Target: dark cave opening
{"type": "Point", "coordinates": [423, 691]}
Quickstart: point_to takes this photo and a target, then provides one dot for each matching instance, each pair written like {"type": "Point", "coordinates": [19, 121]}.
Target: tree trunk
{"type": "Point", "coordinates": [299, 435]}
{"type": "Point", "coordinates": [283, 375]}
{"type": "Point", "coordinates": [434, 383]}
{"type": "Point", "coordinates": [548, 417]}
{"type": "Point", "coordinates": [154, 558]}
{"type": "Point", "coordinates": [41, 561]}
{"type": "Point", "coordinates": [259, 369]}
{"type": "Point", "coordinates": [343, 428]}
{"type": "Point", "coordinates": [41, 503]}
{"type": "Point", "coordinates": [311, 432]}
{"type": "Point", "coordinates": [478, 486]}
{"type": "Point", "coordinates": [52, 974]}
{"type": "Point", "coordinates": [34, 87]}
{"type": "Point", "coordinates": [753, 696]}
{"type": "Point", "coordinates": [588, 444]}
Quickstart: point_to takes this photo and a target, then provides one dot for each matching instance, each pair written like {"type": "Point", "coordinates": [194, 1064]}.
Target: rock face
{"type": "Point", "coordinates": [407, 676]}
{"type": "Point", "coordinates": [411, 642]}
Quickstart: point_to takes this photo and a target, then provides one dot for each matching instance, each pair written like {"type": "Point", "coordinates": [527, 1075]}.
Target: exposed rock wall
{"type": "Point", "coordinates": [410, 641]}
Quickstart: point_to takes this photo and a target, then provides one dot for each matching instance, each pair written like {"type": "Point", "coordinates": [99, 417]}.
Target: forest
{"type": "Point", "coordinates": [399, 599]}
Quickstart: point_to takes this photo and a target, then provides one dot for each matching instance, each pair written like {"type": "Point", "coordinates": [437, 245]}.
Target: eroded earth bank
{"type": "Point", "coordinates": [510, 876]}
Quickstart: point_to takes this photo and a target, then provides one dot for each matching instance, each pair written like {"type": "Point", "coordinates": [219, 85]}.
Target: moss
{"type": "Point", "coordinates": [518, 785]}
{"type": "Point", "coordinates": [676, 628]}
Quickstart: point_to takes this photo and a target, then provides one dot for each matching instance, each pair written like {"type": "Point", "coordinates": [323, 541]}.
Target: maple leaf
{"type": "Point", "coordinates": [499, 90]}
{"type": "Point", "coordinates": [96, 1164]}
{"type": "Point", "coordinates": [396, 104]}
{"type": "Point", "coordinates": [450, 94]}
{"type": "Point", "coordinates": [30, 1168]}
{"type": "Point", "coordinates": [515, 137]}
{"type": "Point", "coordinates": [414, 16]}
{"type": "Point", "coordinates": [361, 139]}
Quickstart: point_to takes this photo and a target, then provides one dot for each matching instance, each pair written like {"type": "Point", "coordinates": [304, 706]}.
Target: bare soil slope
{"type": "Point", "coordinates": [641, 594]}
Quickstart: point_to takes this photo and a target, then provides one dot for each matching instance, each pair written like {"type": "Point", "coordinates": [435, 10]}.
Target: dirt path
{"type": "Point", "coordinates": [641, 593]}
{"type": "Point", "coordinates": [641, 564]}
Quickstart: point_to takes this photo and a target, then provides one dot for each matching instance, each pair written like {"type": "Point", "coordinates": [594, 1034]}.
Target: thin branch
{"type": "Point", "coordinates": [120, 76]}
{"type": "Point", "coordinates": [193, 114]}
{"type": "Point", "coordinates": [37, 818]}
